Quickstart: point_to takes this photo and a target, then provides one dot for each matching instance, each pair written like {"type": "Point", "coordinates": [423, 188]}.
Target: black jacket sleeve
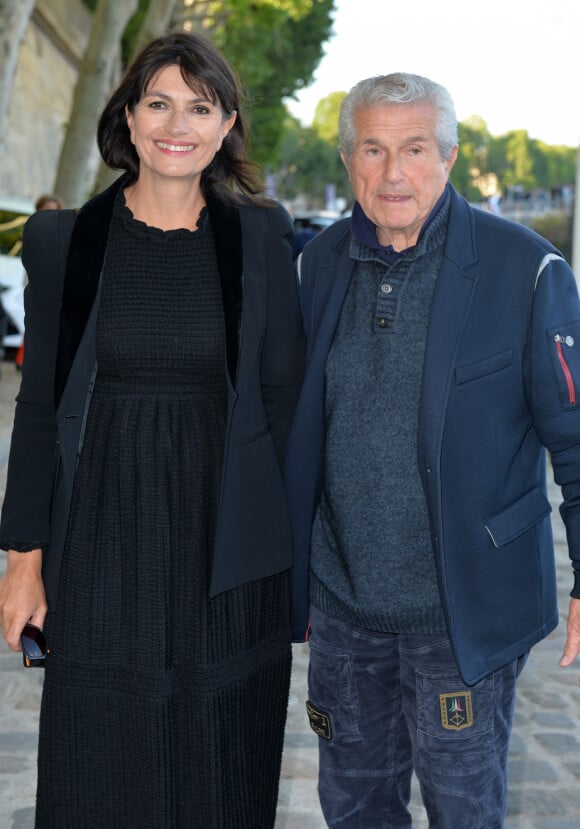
{"type": "Point", "coordinates": [33, 448]}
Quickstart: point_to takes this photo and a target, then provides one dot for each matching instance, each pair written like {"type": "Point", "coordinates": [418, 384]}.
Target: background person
{"type": "Point", "coordinates": [444, 355]}
{"type": "Point", "coordinates": [161, 525]}
{"type": "Point", "coordinates": [48, 201]}
{"type": "Point", "coordinates": [307, 232]}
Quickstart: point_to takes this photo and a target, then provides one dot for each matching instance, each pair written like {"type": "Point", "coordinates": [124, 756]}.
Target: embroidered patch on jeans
{"type": "Point", "coordinates": [319, 722]}
{"type": "Point", "coordinates": [456, 710]}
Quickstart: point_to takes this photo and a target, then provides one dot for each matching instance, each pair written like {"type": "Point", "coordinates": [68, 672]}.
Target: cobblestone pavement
{"type": "Point", "coordinates": [545, 752]}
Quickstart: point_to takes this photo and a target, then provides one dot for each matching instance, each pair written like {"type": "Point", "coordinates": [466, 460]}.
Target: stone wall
{"type": "Point", "coordinates": [48, 65]}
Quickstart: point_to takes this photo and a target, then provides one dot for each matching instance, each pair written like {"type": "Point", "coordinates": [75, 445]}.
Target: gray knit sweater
{"type": "Point", "coordinates": [372, 562]}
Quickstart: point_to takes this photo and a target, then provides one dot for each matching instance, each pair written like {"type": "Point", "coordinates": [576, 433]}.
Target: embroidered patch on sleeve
{"type": "Point", "coordinates": [456, 710]}
{"type": "Point", "coordinates": [319, 722]}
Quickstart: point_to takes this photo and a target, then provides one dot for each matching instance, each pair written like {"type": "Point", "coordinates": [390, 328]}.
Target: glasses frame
{"type": "Point", "coordinates": [33, 632]}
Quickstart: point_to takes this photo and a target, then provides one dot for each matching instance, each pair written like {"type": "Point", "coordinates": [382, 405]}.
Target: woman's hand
{"type": "Point", "coordinates": [22, 596]}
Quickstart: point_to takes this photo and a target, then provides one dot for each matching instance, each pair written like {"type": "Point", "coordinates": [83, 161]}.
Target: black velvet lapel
{"type": "Point", "coordinates": [83, 270]}
{"type": "Point", "coordinates": [86, 255]}
{"type": "Point", "coordinates": [227, 233]}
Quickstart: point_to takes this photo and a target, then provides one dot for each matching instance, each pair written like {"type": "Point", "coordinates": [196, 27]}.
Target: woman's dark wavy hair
{"type": "Point", "coordinates": [206, 71]}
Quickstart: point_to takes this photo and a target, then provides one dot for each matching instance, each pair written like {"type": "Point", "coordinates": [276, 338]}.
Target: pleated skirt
{"type": "Point", "coordinates": [161, 708]}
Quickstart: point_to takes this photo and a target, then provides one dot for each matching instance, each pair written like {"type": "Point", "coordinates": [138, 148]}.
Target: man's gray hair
{"type": "Point", "coordinates": [399, 88]}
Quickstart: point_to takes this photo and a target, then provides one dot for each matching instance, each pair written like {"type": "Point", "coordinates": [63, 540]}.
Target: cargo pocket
{"type": "Point", "coordinates": [332, 705]}
{"type": "Point", "coordinates": [454, 722]}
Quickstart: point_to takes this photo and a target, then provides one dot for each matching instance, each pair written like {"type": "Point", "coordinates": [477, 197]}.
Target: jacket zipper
{"type": "Point", "coordinates": [559, 339]}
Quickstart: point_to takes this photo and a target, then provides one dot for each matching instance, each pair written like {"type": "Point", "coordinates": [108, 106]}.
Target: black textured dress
{"type": "Point", "coordinates": [161, 708]}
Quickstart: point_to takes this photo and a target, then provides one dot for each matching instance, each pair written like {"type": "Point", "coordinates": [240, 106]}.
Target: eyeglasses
{"type": "Point", "coordinates": [34, 647]}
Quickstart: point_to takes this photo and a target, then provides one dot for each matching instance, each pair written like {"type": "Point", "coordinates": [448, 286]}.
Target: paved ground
{"type": "Point", "coordinates": [544, 758]}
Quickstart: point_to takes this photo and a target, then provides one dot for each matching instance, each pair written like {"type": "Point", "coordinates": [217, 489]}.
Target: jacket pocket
{"type": "Point", "coordinates": [564, 347]}
{"type": "Point", "coordinates": [518, 518]}
{"type": "Point", "coordinates": [481, 368]}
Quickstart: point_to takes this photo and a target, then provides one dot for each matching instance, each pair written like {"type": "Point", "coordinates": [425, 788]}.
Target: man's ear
{"type": "Point", "coordinates": [453, 158]}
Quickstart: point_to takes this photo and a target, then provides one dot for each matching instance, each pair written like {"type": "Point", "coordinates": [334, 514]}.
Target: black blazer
{"type": "Point", "coordinates": [63, 253]}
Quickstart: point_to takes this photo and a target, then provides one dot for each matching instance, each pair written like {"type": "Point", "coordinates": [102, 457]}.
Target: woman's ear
{"type": "Point", "coordinates": [227, 124]}
{"type": "Point", "coordinates": [130, 122]}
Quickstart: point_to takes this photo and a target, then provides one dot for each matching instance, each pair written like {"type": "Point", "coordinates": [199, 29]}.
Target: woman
{"type": "Point", "coordinates": [164, 540]}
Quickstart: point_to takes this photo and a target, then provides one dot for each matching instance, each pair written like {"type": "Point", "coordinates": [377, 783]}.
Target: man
{"type": "Point", "coordinates": [307, 232]}
{"type": "Point", "coordinates": [443, 356]}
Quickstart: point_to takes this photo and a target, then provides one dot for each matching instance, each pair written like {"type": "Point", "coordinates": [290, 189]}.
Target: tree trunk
{"type": "Point", "coordinates": [79, 154]}
{"type": "Point", "coordinates": [14, 17]}
{"type": "Point", "coordinates": [157, 21]}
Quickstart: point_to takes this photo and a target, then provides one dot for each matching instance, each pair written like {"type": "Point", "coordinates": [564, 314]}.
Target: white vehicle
{"type": "Point", "coordinates": [13, 215]}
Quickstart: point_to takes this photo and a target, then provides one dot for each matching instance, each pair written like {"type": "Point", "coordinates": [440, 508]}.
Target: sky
{"type": "Point", "coordinates": [516, 63]}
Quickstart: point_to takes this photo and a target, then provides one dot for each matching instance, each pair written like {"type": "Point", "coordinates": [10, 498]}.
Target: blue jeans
{"type": "Point", "coordinates": [384, 705]}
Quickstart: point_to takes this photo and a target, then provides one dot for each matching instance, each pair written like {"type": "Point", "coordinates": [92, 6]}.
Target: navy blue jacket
{"type": "Point", "coordinates": [501, 381]}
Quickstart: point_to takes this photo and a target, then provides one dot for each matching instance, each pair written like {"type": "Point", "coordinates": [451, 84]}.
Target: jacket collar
{"type": "Point", "coordinates": [86, 255]}
{"type": "Point", "coordinates": [460, 246]}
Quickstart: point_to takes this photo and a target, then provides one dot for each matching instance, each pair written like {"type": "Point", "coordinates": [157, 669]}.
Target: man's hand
{"type": "Point", "coordinates": [572, 647]}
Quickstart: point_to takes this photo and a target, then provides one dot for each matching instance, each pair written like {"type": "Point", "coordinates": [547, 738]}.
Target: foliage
{"type": "Point", "coordinates": [557, 229]}
{"type": "Point", "coordinates": [325, 121]}
{"type": "Point", "coordinates": [510, 159]}
{"type": "Point", "coordinates": [275, 46]}
{"type": "Point", "coordinates": [307, 165]}
{"type": "Point", "coordinates": [132, 29]}
{"type": "Point", "coordinates": [309, 160]}
{"type": "Point", "coordinates": [471, 164]}
{"type": "Point", "coordinates": [553, 164]}
{"type": "Point", "coordinates": [498, 162]}
{"type": "Point", "coordinates": [11, 225]}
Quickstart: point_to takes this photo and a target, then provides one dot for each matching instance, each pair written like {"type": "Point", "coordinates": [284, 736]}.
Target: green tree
{"type": "Point", "coordinates": [152, 19]}
{"type": "Point", "coordinates": [557, 228]}
{"type": "Point", "coordinates": [472, 157]}
{"type": "Point", "coordinates": [307, 164]}
{"type": "Point", "coordinates": [325, 122]}
{"type": "Point", "coordinates": [552, 165]}
{"type": "Point", "coordinates": [512, 159]}
{"type": "Point", "coordinates": [519, 160]}
{"type": "Point", "coordinates": [275, 46]}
